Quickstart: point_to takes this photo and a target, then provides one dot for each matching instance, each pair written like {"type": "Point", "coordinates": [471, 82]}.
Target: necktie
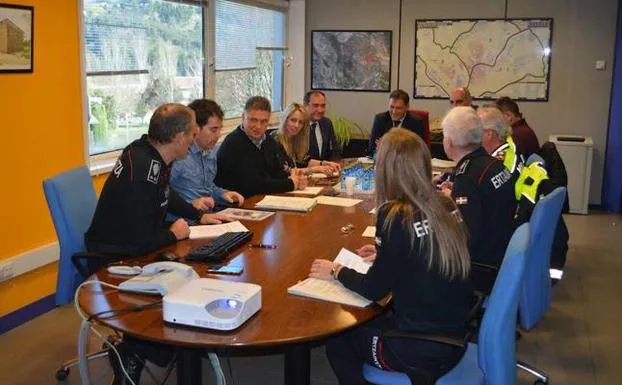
{"type": "Point", "coordinates": [396, 123]}
{"type": "Point", "coordinates": [318, 138]}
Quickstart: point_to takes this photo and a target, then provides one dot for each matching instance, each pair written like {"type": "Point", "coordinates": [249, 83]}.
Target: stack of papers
{"type": "Point", "coordinates": [334, 291]}
{"type": "Point", "coordinates": [213, 231]}
{"type": "Point", "coordinates": [286, 203]}
{"type": "Point", "coordinates": [336, 201]}
{"type": "Point", "coordinates": [245, 215]}
{"type": "Point", "coordinates": [308, 191]}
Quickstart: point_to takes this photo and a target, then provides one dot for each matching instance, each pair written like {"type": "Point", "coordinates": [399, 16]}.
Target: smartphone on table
{"type": "Point", "coordinates": [218, 269]}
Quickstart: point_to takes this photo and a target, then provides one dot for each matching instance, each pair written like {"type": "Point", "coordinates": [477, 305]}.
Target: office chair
{"type": "Point", "coordinates": [71, 200]}
{"type": "Point", "coordinates": [535, 297]}
{"type": "Point", "coordinates": [425, 115]}
{"type": "Point", "coordinates": [492, 361]}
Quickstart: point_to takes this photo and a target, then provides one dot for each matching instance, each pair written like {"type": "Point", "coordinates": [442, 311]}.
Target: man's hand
{"type": "Point", "coordinates": [335, 166]}
{"type": "Point", "coordinates": [322, 268]}
{"type": "Point", "coordinates": [180, 229]}
{"type": "Point", "coordinates": [233, 197]}
{"type": "Point", "coordinates": [367, 252]}
{"type": "Point", "coordinates": [326, 169]}
{"type": "Point", "coordinates": [213, 219]}
{"type": "Point", "coordinates": [446, 188]}
{"type": "Point", "coordinates": [300, 181]}
{"type": "Point", "coordinates": [203, 203]}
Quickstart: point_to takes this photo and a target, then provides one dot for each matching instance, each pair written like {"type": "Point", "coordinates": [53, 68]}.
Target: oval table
{"type": "Point", "coordinates": [286, 323]}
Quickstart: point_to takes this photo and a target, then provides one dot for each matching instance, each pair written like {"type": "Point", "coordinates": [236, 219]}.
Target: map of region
{"type": "Point", "coordinates": [493, 58]}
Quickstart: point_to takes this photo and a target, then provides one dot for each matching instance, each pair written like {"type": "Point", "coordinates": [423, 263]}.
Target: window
{"type": "Point", "coordinates": [140, 54]}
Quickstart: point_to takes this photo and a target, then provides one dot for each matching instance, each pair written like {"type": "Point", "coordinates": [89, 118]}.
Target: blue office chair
{"type": "Point", "coordinates": [492, 361]}
{"type": "Point", "coordinates": [535, 298]}
{"type": "Point", "coordinates": [71, 200]}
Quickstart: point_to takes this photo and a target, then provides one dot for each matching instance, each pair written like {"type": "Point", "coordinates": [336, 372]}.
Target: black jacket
{"type": "Point", "coordinates": [130, 216]}
{"type": "Point", "coordinates": [555, 168]}
{"type": "Point", "coordinates": [383, 123]}
{"type": "Point", "coordinates": [330, 148]}
{"type": "Point", "coordinates": [244, 168]}
{"type": "Point", "coordinates": [484, 192]}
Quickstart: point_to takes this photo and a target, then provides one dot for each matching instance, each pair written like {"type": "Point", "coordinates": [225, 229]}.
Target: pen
{"type": "Point", "coordinates": [263, 246]}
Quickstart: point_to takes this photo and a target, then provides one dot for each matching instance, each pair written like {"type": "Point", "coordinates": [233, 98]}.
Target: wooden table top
{"type": "Point", "coordinates": [283, 319]}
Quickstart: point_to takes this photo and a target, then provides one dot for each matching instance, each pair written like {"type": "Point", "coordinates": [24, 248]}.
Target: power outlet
{"type": "Point", "coordinates": [6, 271]}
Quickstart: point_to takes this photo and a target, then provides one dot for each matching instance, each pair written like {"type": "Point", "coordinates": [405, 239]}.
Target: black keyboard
{"type": "Point", "coordinates": [220, 247]}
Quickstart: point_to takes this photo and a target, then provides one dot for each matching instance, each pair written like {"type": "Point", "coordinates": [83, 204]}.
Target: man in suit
{"type": "Point", "coordinates": [322, 141]}
{"type": "Point", "coordinates": [396, 116]}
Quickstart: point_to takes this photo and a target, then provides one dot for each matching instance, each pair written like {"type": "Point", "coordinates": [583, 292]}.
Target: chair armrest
{"type": "Point", "coordinates": [477, 307]}
{"type": "Point", "coordinates": [444, 339]}
{"type": "Point", "coordinates": [485, 266]}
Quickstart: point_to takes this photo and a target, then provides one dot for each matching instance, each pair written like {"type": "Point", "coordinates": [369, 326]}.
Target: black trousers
{"type": "Point", "coordinates": [422, 361]}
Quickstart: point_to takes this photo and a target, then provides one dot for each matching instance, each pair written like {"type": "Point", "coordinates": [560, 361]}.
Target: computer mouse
{"type": "Point", "coordinates": [167, 256]}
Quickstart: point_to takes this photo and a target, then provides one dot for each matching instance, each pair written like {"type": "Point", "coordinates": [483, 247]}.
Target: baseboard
{"type": "Point", "coordinates": [28, 261]}
{"type": "Point", "coordinates": [27, 313]}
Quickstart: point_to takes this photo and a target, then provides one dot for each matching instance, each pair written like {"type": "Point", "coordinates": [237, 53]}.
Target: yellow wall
{"type": "Point", "coordinates": [41, 126]}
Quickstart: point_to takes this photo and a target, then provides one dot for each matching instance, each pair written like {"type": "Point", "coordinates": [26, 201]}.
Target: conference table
{"type": "Point", "coordinates": [286, 323]}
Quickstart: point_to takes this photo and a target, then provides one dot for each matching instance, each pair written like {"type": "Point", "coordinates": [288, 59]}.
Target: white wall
{"type": "Point", "coordinates": [584, 31]}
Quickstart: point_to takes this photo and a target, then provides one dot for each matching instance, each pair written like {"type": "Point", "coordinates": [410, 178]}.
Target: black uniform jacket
{"type": "Point", "coordinates": [484, 192]}
{"type": "Point", "coordinates": [130, 213]}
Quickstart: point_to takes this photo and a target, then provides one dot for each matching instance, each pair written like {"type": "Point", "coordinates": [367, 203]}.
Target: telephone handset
{"type": "Point", "coordinates": [160, 278]}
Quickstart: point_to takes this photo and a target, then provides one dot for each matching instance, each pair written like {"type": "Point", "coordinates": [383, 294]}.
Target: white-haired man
{"type": "Point", "coordinates": [483, 190]}
{"type": "Point", "coordinates": [496, 138]}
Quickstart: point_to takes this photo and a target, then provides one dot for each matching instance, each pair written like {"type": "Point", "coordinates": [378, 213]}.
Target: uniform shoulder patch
{"type": "Point", "coordinates": [118, 168]}
{"type": "Point", "coordinates": [463, 167]}
{"type": "Point", "coordinates": [153, 175]}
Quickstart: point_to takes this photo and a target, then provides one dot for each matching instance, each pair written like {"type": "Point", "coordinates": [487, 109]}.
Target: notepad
{"type": "Point", "coordinates": [370, 231]}
{"type": "Point", "coordinates": [336, 201]}
{"type": "Point", "coordinates": [213, 231]}
{"type": "Point", "coordinates": [334, 291]}
{"type": "Point", "coordinates": [307, 191]}
{"type": "Point", "coordinates": [286, 203]}
{"type": "Point", "coordinates": [440, 163]}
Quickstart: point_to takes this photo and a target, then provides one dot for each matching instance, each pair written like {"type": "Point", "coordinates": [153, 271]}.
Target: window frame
{"type": "Point", "coordinates": [103, 163]}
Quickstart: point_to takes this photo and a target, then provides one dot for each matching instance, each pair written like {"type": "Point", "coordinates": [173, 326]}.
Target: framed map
{"type": "Point", "coordinates": [351, 60]}
{"type": "Point", "coordinates": [492, 57]}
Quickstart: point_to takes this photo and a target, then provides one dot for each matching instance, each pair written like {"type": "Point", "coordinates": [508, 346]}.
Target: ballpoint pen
{"type": "Point", "coordinates": [263, 246]}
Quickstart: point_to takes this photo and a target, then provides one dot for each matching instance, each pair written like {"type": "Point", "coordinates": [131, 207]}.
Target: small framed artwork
{"type": "Point", "coordinates": [351, 60]}
{"type": "Point", "coordinates": [16, 38]}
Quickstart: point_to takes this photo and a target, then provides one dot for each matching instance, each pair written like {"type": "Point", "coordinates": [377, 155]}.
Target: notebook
{"type": "Point", "coordinates": [244, 214]}
{"type": "Point", "coordinates": [307, 191]}
{"type": "Point", "coordinates": [286, 203]}
{"type": "Point", "coordinates": [337, 201]}
{"type": "Point", "coordinates": [334, 291]}
{"type": "Point", "coordinates": [213, 231]}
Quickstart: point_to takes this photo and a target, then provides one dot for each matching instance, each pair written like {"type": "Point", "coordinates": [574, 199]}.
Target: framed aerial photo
{"type": "Point", "coordinates": [351, 60]}
{"type": "Point", "coordinates": [16, 38]}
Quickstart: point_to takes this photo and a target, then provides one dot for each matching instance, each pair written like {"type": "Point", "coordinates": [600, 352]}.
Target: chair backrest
{"type": "Point", "coordinates": [496, 340]}
{"type": "Point", "coordinates": [535, 158]}
{"type": "Point", "coordinates": [535, 297]}
{"type": "Point", "coordinates": [425, 115]}
{"type": "Point", "coordinates": [71, 200]}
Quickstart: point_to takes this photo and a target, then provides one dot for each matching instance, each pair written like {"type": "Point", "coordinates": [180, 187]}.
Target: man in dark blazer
{"type": "Point", "coordinates": [322, 141]}
{"type": "Point", "coordinates": [396, 116]}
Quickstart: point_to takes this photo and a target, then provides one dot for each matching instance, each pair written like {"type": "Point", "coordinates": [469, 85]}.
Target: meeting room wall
{"type": "Point", "coordinates": [583, 32]}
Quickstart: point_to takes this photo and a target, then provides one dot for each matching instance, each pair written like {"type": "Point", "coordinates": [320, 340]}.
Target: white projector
{"type": "Point", "coordinates": [212, 303]}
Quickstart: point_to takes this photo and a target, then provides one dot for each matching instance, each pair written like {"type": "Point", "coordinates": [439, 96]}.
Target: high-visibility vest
{"type": "Point", "coordinates": [529, 180]}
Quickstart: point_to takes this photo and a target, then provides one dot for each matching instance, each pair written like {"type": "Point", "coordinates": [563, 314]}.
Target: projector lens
{"type": "Point", "coordinates": [232, 303]}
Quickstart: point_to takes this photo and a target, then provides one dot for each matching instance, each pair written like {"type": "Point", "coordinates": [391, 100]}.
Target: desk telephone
{"type": "Point", "coordinates": [160, 278]}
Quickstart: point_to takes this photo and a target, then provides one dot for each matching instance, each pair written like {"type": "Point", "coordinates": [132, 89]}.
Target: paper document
{"type": "Point", "coordinates": [365, 160]}
{"type": "Point", "coordinates": [318, 175]}
{"type": "Point", "coordinates": [245, 214]}
{"type": "Point", "coordinates": [307, 191]}
{"type": "Point", "coordinates": [334, 291]}
{"type": "Point", "coordinates": [440, 163]}
{"type": "Point", "coordinates": [372, 211]}
{"type": "Point", "coordinates": [336, 201]}
{"type": "Point", "coordinates": [213, 231]}
{"type": "Point", "coordinates": [370, 231]}
{"type": "Point", "coordinates": [286, 203]}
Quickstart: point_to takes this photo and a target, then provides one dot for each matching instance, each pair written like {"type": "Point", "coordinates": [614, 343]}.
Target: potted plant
{"type": "Point", "coordinates": [352, 138]}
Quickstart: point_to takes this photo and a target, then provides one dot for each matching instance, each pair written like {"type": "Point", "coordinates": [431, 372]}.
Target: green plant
{"type": "Point", "coordinates": [345, 128]}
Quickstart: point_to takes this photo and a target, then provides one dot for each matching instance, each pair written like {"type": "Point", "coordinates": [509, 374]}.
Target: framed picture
{"type": "Point", "coordinates": [351, 60]}
{"type": "Point", "coordinates": [16, 38]}
{"type": "Point", "coordinates": [492, 57]}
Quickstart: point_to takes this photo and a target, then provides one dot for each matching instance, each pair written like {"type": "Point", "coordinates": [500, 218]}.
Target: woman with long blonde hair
{"type": "Point", "coordinates": [293, 135]}
{"type": "Point", "coordinates": [422, 259]}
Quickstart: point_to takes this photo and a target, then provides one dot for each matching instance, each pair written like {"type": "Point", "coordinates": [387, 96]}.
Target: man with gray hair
{"type": "Point", "coordinates": [483, 190]}
{"type": "Point", "coordinates": [496, 138]}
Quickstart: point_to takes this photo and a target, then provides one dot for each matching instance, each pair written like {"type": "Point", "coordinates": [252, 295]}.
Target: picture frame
{"type": "Point", "coordinates": [16, 38]}
{"type": "Point", "coordinates": [351, 60]}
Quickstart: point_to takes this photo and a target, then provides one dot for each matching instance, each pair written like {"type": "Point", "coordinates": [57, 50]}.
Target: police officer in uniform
{"type": "Point", "coordinates": [483, 190]}
{"type": "Point", "coordinates": [130, 216]}
{"type": "Point", "coordinates": [496, 138]}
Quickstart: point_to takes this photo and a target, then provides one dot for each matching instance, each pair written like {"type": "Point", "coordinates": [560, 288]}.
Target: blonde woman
{"type": "Point", "coordinates": [293, 135]}
{"type": "Point", "coordinates": [422, 258]}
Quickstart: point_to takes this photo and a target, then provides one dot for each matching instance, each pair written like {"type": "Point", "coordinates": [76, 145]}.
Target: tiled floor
{"type": "Point", "coordinates": [579, 342]}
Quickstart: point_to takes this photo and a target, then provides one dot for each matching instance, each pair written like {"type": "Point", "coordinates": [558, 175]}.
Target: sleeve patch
{"type": "Point", "coordinates": [154, 172]}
